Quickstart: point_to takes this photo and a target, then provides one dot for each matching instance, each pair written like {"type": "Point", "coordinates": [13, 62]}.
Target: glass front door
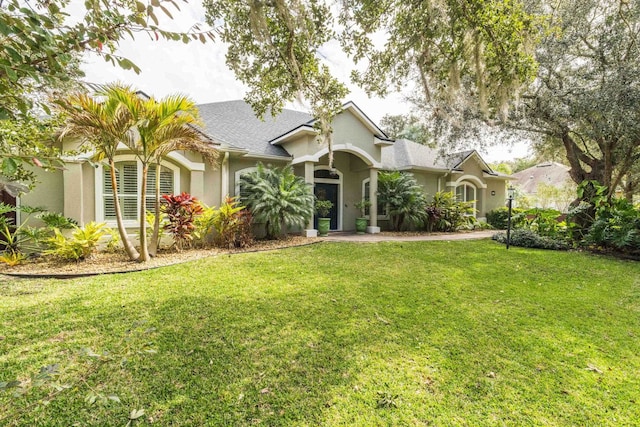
{"type": "Point", "coordinates": [324, 191]}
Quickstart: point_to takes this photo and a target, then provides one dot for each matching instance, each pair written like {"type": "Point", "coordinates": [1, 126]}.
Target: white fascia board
{"type": "Point", "coordinates": [267, 157]}
{"type": "Point", "coordinates": [300, 130]}
{"type": "Point", "coordinates": [382, 142]}
{"type": "Point", "coordinates": [500, 177]}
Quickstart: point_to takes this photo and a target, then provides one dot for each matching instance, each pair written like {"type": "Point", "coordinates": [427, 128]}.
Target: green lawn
{"type": "Point", "coordinates": [423, 333]}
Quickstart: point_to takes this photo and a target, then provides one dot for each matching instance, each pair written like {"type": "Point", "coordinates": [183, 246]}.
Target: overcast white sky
{"type": "Point", "coordinates": [199, 71]}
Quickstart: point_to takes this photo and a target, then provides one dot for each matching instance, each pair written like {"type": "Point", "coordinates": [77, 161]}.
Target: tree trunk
{"type": "Point", "coordinates": [156, 223]}
{"type": "Point", "coordinates": [128, 246]}
{"type": "Point", "coordinates": [144, 249]}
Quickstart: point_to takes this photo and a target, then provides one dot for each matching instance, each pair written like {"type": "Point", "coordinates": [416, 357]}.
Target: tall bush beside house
{"type": "Point", "coordinates": [203, 225]}
{"type": "Point", "coordinates": [404, 199]}
{"type": "Point", "coordinates": [277, 198]}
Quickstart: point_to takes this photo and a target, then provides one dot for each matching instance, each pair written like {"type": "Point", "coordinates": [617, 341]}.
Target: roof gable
{"type": "Point", "coordinates": [352, 108]}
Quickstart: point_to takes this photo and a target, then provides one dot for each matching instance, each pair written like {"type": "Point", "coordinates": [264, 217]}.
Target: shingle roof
{"type": "Point", "coordinates": [550, 173]}
{"type": "Point", "coordinates": [235, 123]}
{"type": "Point", "coordinates": [406, 154]}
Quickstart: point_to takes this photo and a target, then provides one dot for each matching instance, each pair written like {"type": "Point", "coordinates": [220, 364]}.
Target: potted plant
{"type": "Point", "coordinates": [361, 222]}
{"type": "Point", "coordinates": [322, 208]}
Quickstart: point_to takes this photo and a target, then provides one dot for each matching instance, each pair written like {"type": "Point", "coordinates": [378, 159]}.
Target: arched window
{"type": "Point", "coordinates": [466, 192]}
{"type": "Point", "coordinates": [129, 177]}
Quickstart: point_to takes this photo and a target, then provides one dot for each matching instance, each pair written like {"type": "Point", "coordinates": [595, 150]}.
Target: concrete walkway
{"type": "Point", "coordinates": [389, 237]}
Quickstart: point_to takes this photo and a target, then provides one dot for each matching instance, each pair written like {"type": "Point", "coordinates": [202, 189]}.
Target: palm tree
{"type": "Point", "coordinates": [404, 198]}
{"type": "Point", "coordinates": [277, 197]}
{"type": "Point", "coordinates": [101, 125]}
{"type": "Point", "coordinates": [159, 128]}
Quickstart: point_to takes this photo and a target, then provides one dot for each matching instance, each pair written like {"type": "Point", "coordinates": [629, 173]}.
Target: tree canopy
{"type": "Point", "coordinates": [39, 56]}
{"type": "Point", "coordinates": [584, 101]}
{"type": "Point", "coordinates": [458, 52]}
{"type": "Point", "coordinates": [408, 126]}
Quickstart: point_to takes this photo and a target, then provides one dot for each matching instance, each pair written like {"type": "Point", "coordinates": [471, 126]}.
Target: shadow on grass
{"type": "Point", "coordinates": [334, 338]}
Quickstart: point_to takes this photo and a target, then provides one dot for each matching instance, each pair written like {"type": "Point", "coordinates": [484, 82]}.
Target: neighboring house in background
{"type": "Point", "coordinates": [82, 190]}
{"type": "Point", "coordinates": [548, 185]}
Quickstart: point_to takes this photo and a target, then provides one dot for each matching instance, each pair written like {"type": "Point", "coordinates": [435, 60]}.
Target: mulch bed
{"type": "Point", "coordinates": [108, 263]}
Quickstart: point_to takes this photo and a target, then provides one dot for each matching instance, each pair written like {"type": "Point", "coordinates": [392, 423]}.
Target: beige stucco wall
{"type": "Point", "coordinates": [213, 193]}
{"type": "Point", "coordinates": [238, 163]}
{"type": "Point", "coordinates": [48, 193]}
{"type": "Point", "coordinates": [348, 133]}
{"type": "Point", "coordinates": [428, 181]}
{"type": "Point", "coordinates": [302, 146]}
{"type": "Point", "coordinates": [497, 201]}
{"type": "Point", "coordinates": [347, 129]}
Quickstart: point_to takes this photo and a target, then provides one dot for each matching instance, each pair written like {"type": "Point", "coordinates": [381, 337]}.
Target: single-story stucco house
{"type": "Point", "coordinates": [82, 191]}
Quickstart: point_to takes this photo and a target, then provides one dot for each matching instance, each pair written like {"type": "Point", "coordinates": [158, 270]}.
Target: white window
{"type": "Point", "coordinates": [466, 192]}
{"type": "Point", "coordinates": [129, 178]}
{"type": "Point", "coordinates": [382, 209]}
{"type": "Point", "coordinates": [127, 191]}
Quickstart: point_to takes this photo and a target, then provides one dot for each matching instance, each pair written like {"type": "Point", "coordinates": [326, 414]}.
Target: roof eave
{"type": "Point", "coordinates": [296, 132]}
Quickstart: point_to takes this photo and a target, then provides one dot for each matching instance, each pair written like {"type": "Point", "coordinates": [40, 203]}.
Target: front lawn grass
{"type": "Point", "coordinates": [421, 333]}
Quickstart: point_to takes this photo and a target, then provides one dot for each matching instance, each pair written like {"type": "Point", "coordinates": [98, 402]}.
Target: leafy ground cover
{"type": "Point", "coordinates": [419, 333]}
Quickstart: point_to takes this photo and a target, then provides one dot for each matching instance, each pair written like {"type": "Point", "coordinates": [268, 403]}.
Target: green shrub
{"type": "Point", "coordinates": [19, 238]}
{"type": "Point", "coordinates": [323, 207]}
{"type": "Point", "coordinates": [203, 225]}
{"type": "Point", "coordinates": [616, 226]}
{"type": "Point", "coordinates": [232, 223]}
{"type": "Point", "coordinates": [80, 245]}
{"type": "Point", "coordinates": [498, 218]}
{"type": "Point", "coordinates": [530, 239]}
{"type": "Point", "coordinates": [277, 198]}
{"type": "Point", "coordinates": [445, 213]}
{"type": "Point", "coordinates": [404, 199]}
{"type": "Point", "coordinates": [545, 222]}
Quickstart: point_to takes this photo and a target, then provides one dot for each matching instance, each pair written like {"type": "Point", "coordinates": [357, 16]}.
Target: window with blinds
{"type": "Point", "coordinates": [127, 192]}
{"type": "Point", "coordinates": [166, 184]}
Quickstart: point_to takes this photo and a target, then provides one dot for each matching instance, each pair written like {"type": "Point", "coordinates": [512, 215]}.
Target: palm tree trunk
{"type": "Point", "coordinates": [128, 246]}
{"type": "Point", "coordinates": [144, 249]}
{"type": "Point", "coordinates": [156, 222]}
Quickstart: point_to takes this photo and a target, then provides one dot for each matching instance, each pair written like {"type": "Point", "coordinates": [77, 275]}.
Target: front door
{"type": "Point", "coordinates": [324, 191]}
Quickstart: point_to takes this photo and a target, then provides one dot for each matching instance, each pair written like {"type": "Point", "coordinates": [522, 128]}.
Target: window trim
{"type": "Point", "coordinates": [382, 216]}
{"type": "Point", "coordinates": [99, 188]}
{"type": "Point", "coordinates": [339, 181]}
{"type": "Point", "coordinates": [464, 184]}
{"type": "Point", "coordinates": [238, 174]}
